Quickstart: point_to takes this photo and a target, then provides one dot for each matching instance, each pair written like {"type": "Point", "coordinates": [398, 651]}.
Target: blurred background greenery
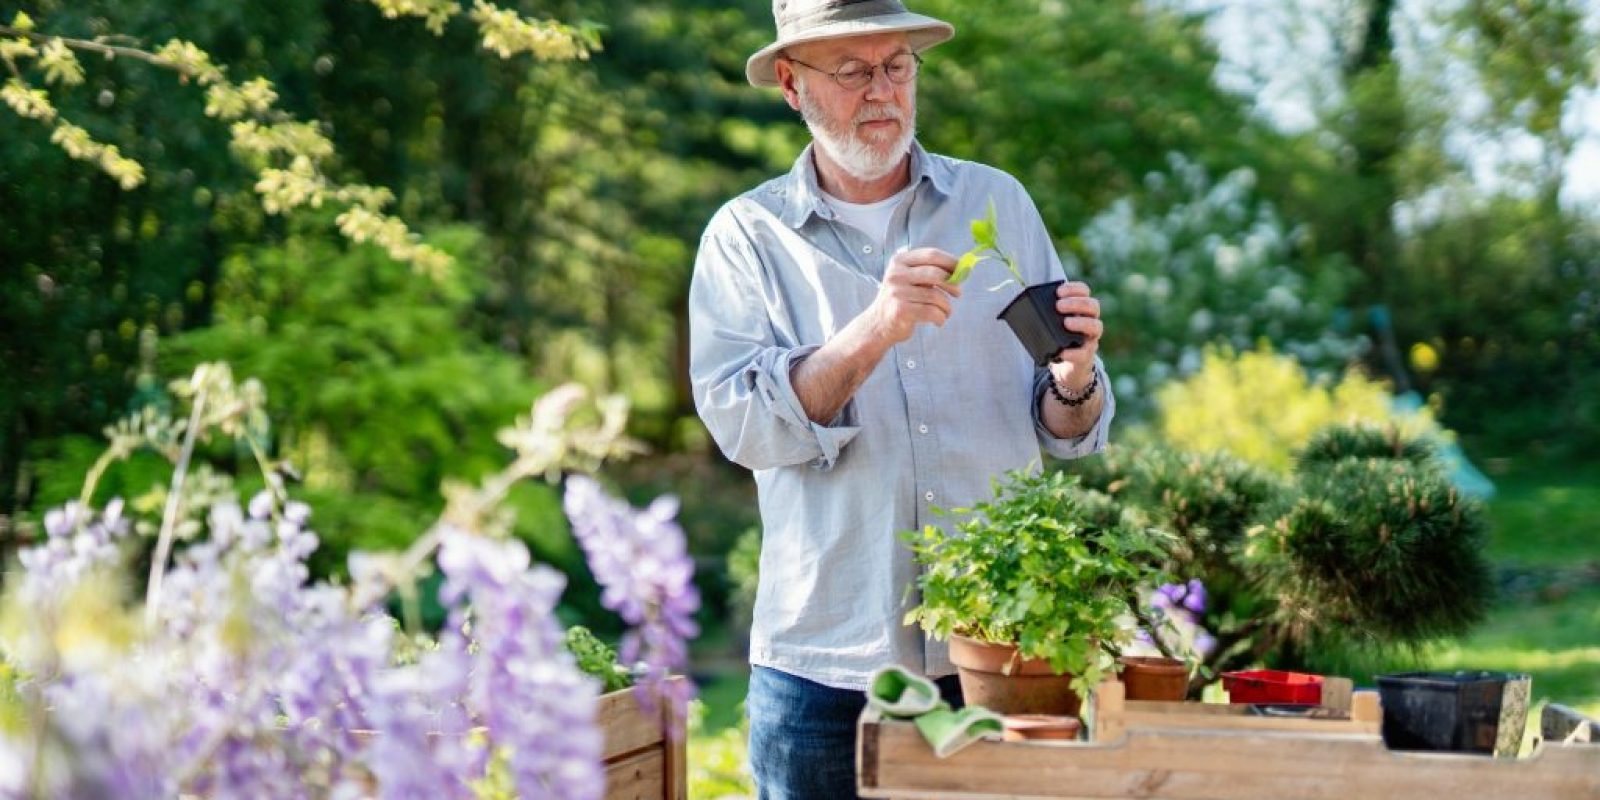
{"type": "Point", "coordinates": [1377, 191]}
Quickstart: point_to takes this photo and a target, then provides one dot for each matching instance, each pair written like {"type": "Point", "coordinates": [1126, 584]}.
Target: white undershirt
{"type": "Point", "coordinates": [870, 218]}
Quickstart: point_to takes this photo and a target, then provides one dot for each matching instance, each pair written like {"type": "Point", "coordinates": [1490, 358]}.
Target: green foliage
{"type": "Point", "coordinates": [597, 659]}
{"type": "Point", "coordinates": [719, 762]}
{"type": "Point", "coordinates": [1047, 565]}
{"type": "Point", "coordinates": [1205, 500]}
{"type": "Point", "coordinates": [1364, 440]}
{"type": "Point", "coordinates": [382, 387]}
{"type": "Point", "coordinates": [1366, 545]}
{"type": "Point", "coordinates": [1507, 296]}
{"type": "Point", "coordinates": [744, 573]}
{"type": "Point", "coordinates": [986, 245]}
{"type": "Point", "coordinates": [1531, 59]}
{"type": "Point", "coordinates": [1385, 546]}
{"type": "Point", "coordinates": [1079, 100]}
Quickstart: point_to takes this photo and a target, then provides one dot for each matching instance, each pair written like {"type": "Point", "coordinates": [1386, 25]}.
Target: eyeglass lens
{"type": "Point", "coordinates": [855, 74]}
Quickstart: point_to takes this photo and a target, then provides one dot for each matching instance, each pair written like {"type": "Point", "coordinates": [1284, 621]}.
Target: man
{"type": "Point", "coordinates": [830, 356]}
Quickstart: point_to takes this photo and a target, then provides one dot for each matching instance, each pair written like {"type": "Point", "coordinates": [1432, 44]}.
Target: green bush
{"type": "Point", "coordinates": [1386, 545]}
{"type": "Point", "coordinates": [1365, 545]}
{"type": "Point", "coordinates": [382, 388]}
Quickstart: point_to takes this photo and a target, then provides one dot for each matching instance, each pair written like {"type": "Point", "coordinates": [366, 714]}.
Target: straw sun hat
{"type": "Point", "coordinates": [802, 21]}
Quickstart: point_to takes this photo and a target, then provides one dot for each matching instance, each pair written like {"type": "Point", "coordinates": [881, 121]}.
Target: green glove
{"type": "Point", "coordinates": [899, 692]}
{"type": "Point", "coordinates": [948, 731]}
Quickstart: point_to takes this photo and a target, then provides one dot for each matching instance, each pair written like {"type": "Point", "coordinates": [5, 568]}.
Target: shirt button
{"type": "Point", "coordinates": [922, 428]}
{"type": "Point", "coordinates": [867, 249]}
{"type": "Point", "coordinates": [928, 497]}
{"type": "Point", "coordinates": [911, 364]}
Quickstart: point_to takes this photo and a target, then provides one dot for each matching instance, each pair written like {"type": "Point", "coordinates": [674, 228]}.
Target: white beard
{"type": "Point", "coordinates": [864, 160]}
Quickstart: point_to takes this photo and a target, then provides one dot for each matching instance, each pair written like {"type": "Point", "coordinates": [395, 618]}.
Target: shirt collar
{"type": "Point", "coordinates": [803, 195]}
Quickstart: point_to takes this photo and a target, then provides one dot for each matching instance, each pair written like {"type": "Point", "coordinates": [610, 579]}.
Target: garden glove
{"type": "Point", "coordinates": [899, 692]}
{"type": "Point", "coordinates": [948, 731]}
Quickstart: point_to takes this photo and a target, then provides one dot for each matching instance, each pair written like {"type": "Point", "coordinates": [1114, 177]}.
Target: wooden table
{"type": "Point", "coordinates": [1191, 752]}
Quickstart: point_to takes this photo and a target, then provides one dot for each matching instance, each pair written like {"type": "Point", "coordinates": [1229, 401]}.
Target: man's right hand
{"type": "Point", "coordinates": [914, 291]}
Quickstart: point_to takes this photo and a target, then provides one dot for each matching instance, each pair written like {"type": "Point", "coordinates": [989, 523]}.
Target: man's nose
{"type": "Point", "coordinates": [879, 87]}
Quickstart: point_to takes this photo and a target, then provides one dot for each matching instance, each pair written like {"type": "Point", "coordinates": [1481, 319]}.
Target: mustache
{"type": "Point", "coordinates": [879, 111]}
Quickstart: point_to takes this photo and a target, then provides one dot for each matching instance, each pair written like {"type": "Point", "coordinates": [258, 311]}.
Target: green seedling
{"type": "Point", "coordinates": [986, 245]}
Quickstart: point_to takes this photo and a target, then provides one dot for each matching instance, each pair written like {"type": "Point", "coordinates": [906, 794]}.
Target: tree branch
{"type": "Point", "coordinates": [93, 46]}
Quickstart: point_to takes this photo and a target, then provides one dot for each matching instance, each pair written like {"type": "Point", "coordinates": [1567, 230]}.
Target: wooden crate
{"type": "Point", "coordinates": [645, 759]}
{"type": "Point", "coordinates": [1189, 754]}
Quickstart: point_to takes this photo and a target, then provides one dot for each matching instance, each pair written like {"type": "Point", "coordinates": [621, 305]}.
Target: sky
{"type": "Point", "coordinates": [1280, 52]}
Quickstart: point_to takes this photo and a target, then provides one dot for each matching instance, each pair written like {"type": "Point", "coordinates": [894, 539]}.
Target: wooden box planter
{"type": "Point", "coordinates": [1176, 751]}
{"type": "Point", "coordinates": [645, 760]}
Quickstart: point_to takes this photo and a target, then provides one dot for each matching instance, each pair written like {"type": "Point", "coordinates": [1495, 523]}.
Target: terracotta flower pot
{"type": "Point", "coordinates": [997, 677]}
{"type": "Point", "coordinates": [1041, 727]}
{"type": "Point", "coordinates": [1155, 678]}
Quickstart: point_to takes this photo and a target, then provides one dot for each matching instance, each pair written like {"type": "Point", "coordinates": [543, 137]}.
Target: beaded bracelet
{"type": "Point", "coordinates": [1079, 399]}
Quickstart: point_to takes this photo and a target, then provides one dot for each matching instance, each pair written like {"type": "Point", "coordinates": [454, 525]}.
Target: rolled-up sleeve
{"type": "Point", "coordinates": [1094, 441]}
{"type": "Point", "coordinates": [741, 374]}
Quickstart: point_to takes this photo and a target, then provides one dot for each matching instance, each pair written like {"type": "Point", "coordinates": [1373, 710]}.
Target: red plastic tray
{"type": "Point", "coordinates": [1272, 686]}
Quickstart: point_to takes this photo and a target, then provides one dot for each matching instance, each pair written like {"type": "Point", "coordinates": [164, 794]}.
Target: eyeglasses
{"type": "Point", "coordinates": [855, 73]}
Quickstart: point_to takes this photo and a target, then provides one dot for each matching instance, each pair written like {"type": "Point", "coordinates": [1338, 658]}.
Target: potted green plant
{"type": "Point", "coordinates": [1032, 314]}
{"type": "Point", "coordinates": [1033, 590]}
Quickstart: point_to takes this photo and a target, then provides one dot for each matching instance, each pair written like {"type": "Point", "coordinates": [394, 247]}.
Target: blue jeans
{"type": "Point", "coordinates": [803, 735]}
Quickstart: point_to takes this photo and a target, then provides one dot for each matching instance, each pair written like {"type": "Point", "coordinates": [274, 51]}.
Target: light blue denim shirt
{"type": "Point", "coordinates": [945, 412]}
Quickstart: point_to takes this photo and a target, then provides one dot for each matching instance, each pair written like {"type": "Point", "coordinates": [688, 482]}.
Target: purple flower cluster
{"type": "Point", "coordinates": [641, 559]}
{"type": "Point", "coordinates": [1177, 609]}
{"type": "Point", "coordinates": [1189, 596]}
{"type": "Point", "coordinates": [248, 681]}
{"type": "Point", "coordinates": [525, 688]}
{"type": "Point", "coordinates": [77, 542]}
{"type": "Point", "coordinates": [247, 684]}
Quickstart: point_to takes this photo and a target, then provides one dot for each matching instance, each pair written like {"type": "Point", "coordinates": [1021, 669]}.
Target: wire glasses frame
{"type": "Point", "coordinates": [855, 73]}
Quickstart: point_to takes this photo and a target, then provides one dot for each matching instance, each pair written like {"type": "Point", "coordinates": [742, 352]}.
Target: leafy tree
{"type": "Point", "coordinates": [1531, 59]}
{"type": "Point", "coordinates": [1190, 263]}
{"type": "Point", "coordinates": [96, 266]}
{"type": "Point", "coordinates": [1081, 100]}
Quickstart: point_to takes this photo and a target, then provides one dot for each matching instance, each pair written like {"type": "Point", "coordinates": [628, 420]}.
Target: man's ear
{"type": "Point", "coordinates": [787, 76]}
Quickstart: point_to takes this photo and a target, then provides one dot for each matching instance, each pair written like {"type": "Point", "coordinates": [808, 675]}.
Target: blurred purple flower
{"type": "Point", "coordinates": [641, 559]}
{"type": "Point", "coordinates": [524, 685]}
{"type": "Point", "coordinates": [1194, 597]}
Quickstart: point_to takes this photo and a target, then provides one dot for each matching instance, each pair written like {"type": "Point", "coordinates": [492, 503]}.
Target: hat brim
{"type": "Point", "coordinates": [922, 33]}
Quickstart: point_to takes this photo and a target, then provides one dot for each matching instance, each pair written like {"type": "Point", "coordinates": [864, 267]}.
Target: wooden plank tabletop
{"type": "Point", "coordinates": [893, 761]}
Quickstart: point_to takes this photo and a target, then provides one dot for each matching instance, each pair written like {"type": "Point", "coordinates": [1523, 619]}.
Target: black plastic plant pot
{"type": "Point", "coordinates": [1033, 317]}
{"type": "Point", "coordinates": [1464, 712]}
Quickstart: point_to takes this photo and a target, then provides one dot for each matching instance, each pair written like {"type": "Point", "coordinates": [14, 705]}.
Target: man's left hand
{"type": "Point", "coordinates": [1074, 368]}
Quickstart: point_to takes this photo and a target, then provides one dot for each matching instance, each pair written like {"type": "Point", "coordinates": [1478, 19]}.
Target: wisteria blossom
{"type": "Point", "coordinates": [249, 680]}
{"type": "Point", "coordinates": [641, 559]}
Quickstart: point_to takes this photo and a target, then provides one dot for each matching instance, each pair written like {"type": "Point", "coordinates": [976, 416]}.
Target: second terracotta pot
{"type": "Point", "coordinates": [1155, 678]}
{"type": "Point", "coordinates": [996, 677]}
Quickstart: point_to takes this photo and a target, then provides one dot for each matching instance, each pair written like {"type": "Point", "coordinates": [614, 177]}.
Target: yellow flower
{"type": "Point", "coordinates": [1424, 358]}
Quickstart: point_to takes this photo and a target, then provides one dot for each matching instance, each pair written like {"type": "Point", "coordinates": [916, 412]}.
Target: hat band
{"type": "Point", "coordinates": [840, 11]}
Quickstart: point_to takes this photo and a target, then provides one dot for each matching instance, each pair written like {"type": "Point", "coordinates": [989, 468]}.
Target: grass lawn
{"type": "Point", "coordinates": [1545, 513]}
